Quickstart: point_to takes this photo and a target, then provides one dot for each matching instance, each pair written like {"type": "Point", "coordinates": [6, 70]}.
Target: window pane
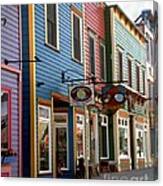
{"type": "Point", "coordinates": [44, 113]}
{"type": "Point", "coordinates": [140, 144]}
{"type": "Point", "coordinates": [76, 34]}
{"type": "Point", "coordinates": [52, 24]}
{"type": "Point", "coordinates": [80, 141]}
{"type": "Point", "coordinates": [104, 142]}
{"type": "Point", "coordinates": [61, 147]}
{"type": "Point", "coordinates": [92, 55]}
{"type": "Point", "coordinates": [44, 146]}
{"type": "Point", "coordinates": [4, 120]}
{"type": "Point", "coordinates": [123, 141]}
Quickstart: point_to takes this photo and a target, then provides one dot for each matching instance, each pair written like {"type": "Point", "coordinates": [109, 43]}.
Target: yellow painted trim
{"type": "Point", "coordinates": [128, 25]}
{"type": "Point", "coordinates": [32, 74]}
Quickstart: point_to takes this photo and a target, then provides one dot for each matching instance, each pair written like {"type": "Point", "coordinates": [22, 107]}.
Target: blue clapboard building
{"type": "Point", "coordinates": [52, 44]}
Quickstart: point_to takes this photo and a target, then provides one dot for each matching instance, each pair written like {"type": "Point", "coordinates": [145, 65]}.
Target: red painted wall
{"type": "Point", "coordinates": [93, 21]}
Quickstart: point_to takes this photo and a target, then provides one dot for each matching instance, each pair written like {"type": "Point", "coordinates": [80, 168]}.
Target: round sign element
{"type": "Point", "coordinates": [81, 93]}
{"type": "Point", "coordinates": [119, 97]}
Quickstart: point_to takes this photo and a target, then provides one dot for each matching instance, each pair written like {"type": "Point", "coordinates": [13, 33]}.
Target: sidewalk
{"type": "Point", "coordinates": [148, 174]}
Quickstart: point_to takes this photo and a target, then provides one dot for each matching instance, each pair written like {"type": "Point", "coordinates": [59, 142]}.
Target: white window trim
{"type": "Point", "coordinates": [122, 156]}
{"type": "Point", "coordinates": [93, 36]}
{"type": "Point", "coordinates": [82, 128]}
{"type": "Point", "coordinates": [64, 125]}
{"type": "Point", "coordinates": [107, 134]}
{"type": "Point", "coordinates": [103, 45]}
{"type": "Point", "coordinates": [119, 49]}
{"type": "Point", "coordinates": [45, 120]}
{"type": "Point", "coordinates": [81, 37]}
{"type": "Point", "coordinates": [46, 34]}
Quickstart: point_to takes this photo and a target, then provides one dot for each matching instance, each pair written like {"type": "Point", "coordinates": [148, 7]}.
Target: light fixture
{"type": "Point", "coordinates": [119, 97]}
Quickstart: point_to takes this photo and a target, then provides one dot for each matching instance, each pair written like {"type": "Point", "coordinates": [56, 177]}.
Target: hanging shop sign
{"type": "Point", "coordinates": [114, 97]}
{"type": "Point", "coordinates": [81, 95]}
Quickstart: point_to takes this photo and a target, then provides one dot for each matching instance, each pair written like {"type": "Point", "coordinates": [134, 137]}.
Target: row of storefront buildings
{"type": "Point", "coordinates": [42, 46]}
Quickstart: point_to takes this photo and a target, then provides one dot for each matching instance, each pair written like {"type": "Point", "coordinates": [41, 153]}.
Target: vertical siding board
{"type": "Point", "coordinates": [26, 95]}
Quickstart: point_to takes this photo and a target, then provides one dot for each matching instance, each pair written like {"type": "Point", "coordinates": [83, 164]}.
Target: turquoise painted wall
{"type": "Point", "coordinates": [132, 47]}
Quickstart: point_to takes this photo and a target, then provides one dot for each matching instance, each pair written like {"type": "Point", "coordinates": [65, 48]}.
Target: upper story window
{"type": "Point", "coordinates": [102, 61]}
{"type": "Point", "coordinates": [130, 72]}
{"type": "Point", "coordinates": [76, 37]}
{"type": "Point", "coordinates": [138, 78]}
{"type": "Point", "coordinates": [92, 53]}
{"type": "Point", "coordinates": [52, 25]}
{"type": "Point", "coordinates": [143, 77]}
{"type": "Point", "coordinates": [5, 120]}
{"type": "Point", "coordinates": [120, 63]}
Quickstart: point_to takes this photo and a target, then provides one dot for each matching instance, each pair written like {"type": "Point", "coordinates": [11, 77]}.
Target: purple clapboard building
{"type": "Point", "coordinates": [11, 90]}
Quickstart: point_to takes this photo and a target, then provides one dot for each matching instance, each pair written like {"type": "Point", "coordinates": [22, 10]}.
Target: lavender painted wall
{"type": "Point", "coordinates": [11, 50]}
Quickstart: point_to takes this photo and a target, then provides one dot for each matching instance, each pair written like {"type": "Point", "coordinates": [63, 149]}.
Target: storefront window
{"type": "Point", "coordinates": [140, 141]}
{"type": "Point", "coordinates": [44, 140]}
{"type": "Point", "coordinates": [61, 121]}
{"type": "Point", "coordinates": [104, 138]}
{"type": "Point", "coordinates": [123, 137]}
{"type": "Point", "coordinates": [92, 140]}
{"type": "Point", "coordinates": [5, 120]}
{"type": "Point", "coordinates": [80, 136]}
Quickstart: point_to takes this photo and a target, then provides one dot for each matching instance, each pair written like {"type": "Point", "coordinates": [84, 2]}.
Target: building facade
{"type": "Point", "coordinates": [95, 67]}
{"type": "Point", "coordinates": [53, 39]}
{"type": "Point", "coordinates": [126, 59]}
{"type": "Point", "coordinates": [11, 91]}
{"type": "Point", "coordinates": [146, 23]}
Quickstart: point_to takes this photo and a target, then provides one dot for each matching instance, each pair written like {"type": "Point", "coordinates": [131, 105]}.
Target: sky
{"type": "Point", "coordinates": [133, 8]}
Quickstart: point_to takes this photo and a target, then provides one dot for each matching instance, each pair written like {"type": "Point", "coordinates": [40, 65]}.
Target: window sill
{"type": "Point", "coordinates": [52, 47]}
{"type": "Point", "coordinates": [77, 61]}
{"type": "Point", "coordinates": [45, 172]}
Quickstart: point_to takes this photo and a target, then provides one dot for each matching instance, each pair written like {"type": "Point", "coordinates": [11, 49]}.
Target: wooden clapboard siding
{"type": "Point", "coordinates": [10, 36]}
{"type": "Point", "coordinates": [10, 80]}
{"type": "Point", "coordinates": [131, 46]}
{"type": "Point", "coordinates": [49, 71]}
{"type": "Point", "coordinates": [122, 37]}
{"type": "Point", "coordinates": [94, 22]}
{"type": "Point", "coordinates": [11, 77]}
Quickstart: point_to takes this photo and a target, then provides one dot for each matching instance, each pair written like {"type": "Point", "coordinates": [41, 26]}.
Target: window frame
{"type": "Point", "coordinates": [81, 36]}
{"type": "Point", "coordinates": [120, 71]}
{"type": "Point", "coordinates": [106, 125]}
{"type": "Point", "coordinates": [46, 28]}
{"type": "Point", "coordinates": [65, 126]}
{"type": "Point", "coordinates": [92, 36]}
{"type": "Point", "coordinates": [138, 129]}
{"type": "Point", "coordinates": [104, 65]}
{"type": "Point", "coordinates": [45, 120]}
{"type": "Point", "coordinates": [120, 125]}
{"type": "Point", "coordinates": [8, 91]}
